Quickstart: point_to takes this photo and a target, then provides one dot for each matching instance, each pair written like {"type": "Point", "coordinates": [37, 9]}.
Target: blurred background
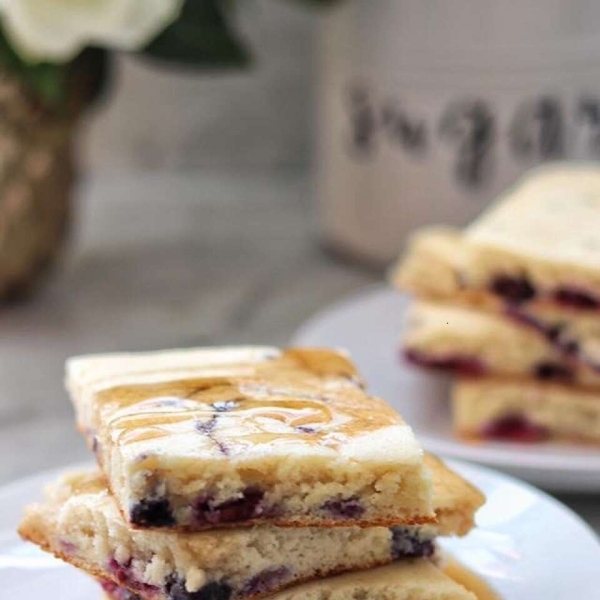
{"type": "Point", "coordinates": [258, 116]}
{"type": "Point", "coordinates": [189, 219]}
{"type": "Point", "coordinates": [145, 205]}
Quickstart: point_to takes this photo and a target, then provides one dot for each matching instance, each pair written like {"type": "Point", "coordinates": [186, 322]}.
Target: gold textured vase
{"type": "Point", "coordinates": [37, 175]}
{"type": "Point", "coordinates": [36, 179]}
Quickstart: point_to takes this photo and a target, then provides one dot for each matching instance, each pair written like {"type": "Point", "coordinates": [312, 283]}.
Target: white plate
{"type": "Point", "coordinates": [369, 326]}
{"type": "Point", "coordinates": [527, 546]}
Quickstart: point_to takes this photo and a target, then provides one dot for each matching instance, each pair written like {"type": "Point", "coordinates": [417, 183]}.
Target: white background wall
{"type": "Point", "coordinates": [260, 117]}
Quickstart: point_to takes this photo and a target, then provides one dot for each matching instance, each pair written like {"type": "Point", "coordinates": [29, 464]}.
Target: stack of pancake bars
{"type": "Point", "coordinates": [239, 473]}
{"type": "Point", "coordinates": [511, 305]}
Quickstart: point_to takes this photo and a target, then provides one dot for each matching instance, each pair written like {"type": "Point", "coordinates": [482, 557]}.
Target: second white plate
{"type": "Point", "coordinates": [369, 325]}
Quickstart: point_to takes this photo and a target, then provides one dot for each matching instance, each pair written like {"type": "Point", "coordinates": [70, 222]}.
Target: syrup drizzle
{"type": "Point", "coordinates": [469, 580]}
{"type": "Point", "coordinates": [307, 396]}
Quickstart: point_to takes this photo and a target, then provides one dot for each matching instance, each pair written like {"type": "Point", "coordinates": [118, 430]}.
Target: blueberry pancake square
{"type": "Point", "coordinates": [524, 410]}
{"type": "Point", "coordinates": [461, 341]}
{"type": "Point", "coordinates": [204, 438]}
{"type": "Point", "coordinates": [537, 245]}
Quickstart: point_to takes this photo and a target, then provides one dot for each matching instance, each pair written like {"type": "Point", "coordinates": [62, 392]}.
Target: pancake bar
{"type": "Point", "coordinates": [542, 238]}
{"type": "Point", "coordinates": [539, 244]}
{"type": "Point", "coordinates": [203, 438]}
{"type": "Point", "coordinates": [467, 342]}
{"type": "Point", "coordinates": [80, 522]}
{"type": "Point", "coordinates": [525, 410]}
{"type": "Point", "coordinates": [410, 580]}
{"type": "Point", "coordinates": [432, 269]}
{"type": "Point", "coordinates": [433, 266]}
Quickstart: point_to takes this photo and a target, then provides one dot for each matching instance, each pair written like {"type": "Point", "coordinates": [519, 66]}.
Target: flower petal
{"type": "Point", "coordinates": [56, 31]}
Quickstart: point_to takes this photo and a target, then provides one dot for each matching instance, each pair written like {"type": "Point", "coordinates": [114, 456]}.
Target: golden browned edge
{"type": "Point", "coordinates": [300, 523]}
{"type": "Point", "coordinates": [458, 519]}
{"type": "Point", "coordinates": [39, 540]}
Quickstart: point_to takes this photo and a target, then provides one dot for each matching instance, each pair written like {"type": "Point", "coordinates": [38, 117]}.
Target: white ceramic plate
{"type": "Point", "coordinates": [369, 326]}
{"type": "Point", "coordinates": [527, 545]}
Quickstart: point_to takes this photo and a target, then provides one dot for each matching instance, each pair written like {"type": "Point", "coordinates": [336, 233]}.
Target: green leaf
{"type": "Point", "coordinates": [203, 36]}
{"type": "Point", "coordinates": [46, 80]}
{"type": "Point", "coordinates": [98, 65]}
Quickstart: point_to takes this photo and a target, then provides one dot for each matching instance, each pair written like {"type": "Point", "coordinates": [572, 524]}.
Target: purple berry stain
{"type": "Point", "coordinates": [553, 333]}
{"type": "Point", "coordinates": [405, 544]}
{"type": "Point", "coordinates": [115, 592]}
{"type": "Point", "coordinates": [152, 512]}
{"type": "Point", "coordinates": [239, 509]}
{"type": "Point", "coordinates": [462, 365]}
{"type": "Point", "coordinates": [213, 590]}
{"type": "Point", "coordinates": [306, 429]}
{"type": "Point", "coordinates": [124, 576]}
{"type": "Point", "coordinates": [348, 508]}
{"type": "Point", "coordinates": [266, 581]}
{"type": "Point", "coordinates": [515, 290]}
{"type": "Point", "coordinates": [515, 428]}
{"type": "Point", "coordinates": [547, 371]}
{"type": "Point", "coordinates": [225, 406]}
{"type": "Point", "coordinates": [573, 297]}
{"type": "Point", "coordinates": [208, 429]}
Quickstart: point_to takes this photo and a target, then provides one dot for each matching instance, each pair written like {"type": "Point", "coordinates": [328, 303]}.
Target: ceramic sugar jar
{"type": "Point", "coordinates": [428, 109]}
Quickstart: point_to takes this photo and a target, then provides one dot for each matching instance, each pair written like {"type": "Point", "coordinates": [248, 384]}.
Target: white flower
{"type": "Point", "coordinates": [56, 30]}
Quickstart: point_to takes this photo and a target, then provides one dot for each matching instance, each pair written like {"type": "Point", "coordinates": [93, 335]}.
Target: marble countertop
{"type": "Point", "coordinates": [165, 260]}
